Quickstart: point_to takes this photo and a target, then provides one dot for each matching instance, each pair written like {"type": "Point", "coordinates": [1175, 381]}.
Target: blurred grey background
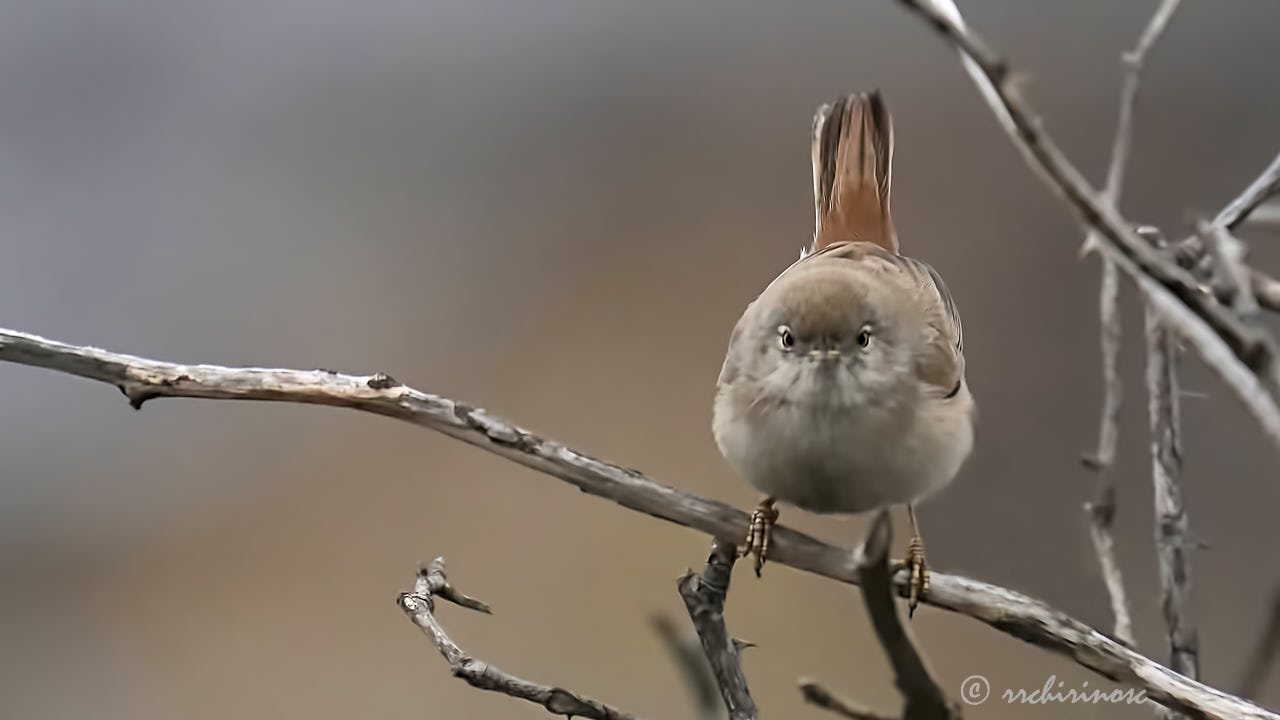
{"type": "Point", "coordinates": [556, 209]}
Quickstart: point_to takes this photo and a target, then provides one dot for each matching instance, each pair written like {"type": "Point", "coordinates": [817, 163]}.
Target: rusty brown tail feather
{"type": "Point", "coordinates": [852, 164]}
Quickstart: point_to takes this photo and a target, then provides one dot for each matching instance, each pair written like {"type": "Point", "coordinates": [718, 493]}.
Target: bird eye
{"type": "Point", "coordinates": [785, 338]}
{"type": "Point", "coordinates": [864, 337]}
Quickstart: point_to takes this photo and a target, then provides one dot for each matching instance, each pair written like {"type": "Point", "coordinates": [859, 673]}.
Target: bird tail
{"type": "Point", "coordinates": [852, 164]}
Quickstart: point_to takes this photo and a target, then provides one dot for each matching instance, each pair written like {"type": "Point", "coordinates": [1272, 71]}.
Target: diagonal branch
{"type": "Point", "coordinates": [1265, 652]}
{"type": "Point", "coordinates": [1262, 189]}
{"type": "Point", "coordinates": [922, 698]}
{"type": "Point", "coordinates": [921, 694]}
{"type": "Point", "coordinates": [817, 695]}
{"type": "Point", "coordinates": [1193, 252]}
{"type": "Point", "coordinates": [704, 597]}
{"type": "Point", "coordinates": [419, 605]}
{"type": "Point", "coordinates": [1244, 356]}
{"type": "Point", "coordinates": [1006, 610]}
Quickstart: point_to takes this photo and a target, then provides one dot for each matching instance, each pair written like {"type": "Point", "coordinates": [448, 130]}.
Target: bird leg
{"type": "Point", "coordinates": [758, 532]}
{"type": "Point", "coordinates": [918, 572]}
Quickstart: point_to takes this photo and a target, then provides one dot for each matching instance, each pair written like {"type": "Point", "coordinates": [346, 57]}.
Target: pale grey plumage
{"type": "Point", "coordinates": [843, 387]}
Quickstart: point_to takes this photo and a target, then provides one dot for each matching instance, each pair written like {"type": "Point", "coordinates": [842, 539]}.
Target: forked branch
{"type": "Point", "coordinates": [419, 606]}
{"type": "Point", "coordinates": [1242, 354]}
{"type": "Point", "coordinates": [704, 595]}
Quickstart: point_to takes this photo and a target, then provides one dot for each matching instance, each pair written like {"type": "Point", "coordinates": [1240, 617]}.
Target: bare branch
{"type": "Point", "coordinates": [1191, 252]}
{"type": "Point", "coordinates": [1006, 610]}
{"type": "Point", "coordinates": [1172, 540]}
{"type": "Point", "coordinates": [1108, 294]}
{"type": "Point", "coordinates": [815, 694]}
{"type": "Point", "coordinates": [1102, 512]}
{"type": "Point", "coordinates": [704, 597]}
{"type": "Point", "coordinates": [1112, 388]}
{"type": "Point", "coordinates": [921, 694]}
{"type": "Point", "coordinates": [1231, 279]}
{"type": "Point", "coordinates": [419, 605]}
{"type": "Point", "coordinates": [1266, 215]}
{"type": "Point", "coordinates": [1265, 187]}
{"type": "Point", "coordinates": [1266, 290]}
{"type": "Point", "coordinates": [1244, 356]}
{"type": "Point", "coordinates": [1262, 660]}
{"type": "Point", "coordinates": [1134, 61]}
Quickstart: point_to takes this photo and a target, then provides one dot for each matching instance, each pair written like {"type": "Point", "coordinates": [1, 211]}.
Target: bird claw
{"type": "Point", "coordinates": [759, 531]}
{"type": "Point", "coordinates": [917, 574]}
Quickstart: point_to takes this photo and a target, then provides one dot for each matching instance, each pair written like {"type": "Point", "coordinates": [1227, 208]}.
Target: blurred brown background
{"type": "Point", "coordinates": [555, 209]}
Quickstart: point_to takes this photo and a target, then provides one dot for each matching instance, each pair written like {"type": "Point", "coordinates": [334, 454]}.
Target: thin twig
{"type": "Point", "coordinates": [1266, 290]}
{"type": "Point", "coordinates": [1263, 188]}
{"type": "Point", "coordinates": [1102, 510]}
{"type": "Point", "coordinates": [419, 605]}
{"type": "Point", "coordinates": [816, 694]}
{"type": "Point", "coordinates": [1134, 61]}
{"type": "Point", "coordinates": [922, 697]}
{"type": "Point", "coordinates": [1231, 277]}
{"type": "Point", "coordinates": [704, 597]}
{"type": "Point", "coordinates": [1102, 513]}
{"type": "Point", "coordinates": [1006, 610]}
{"type": "Point", "coordinates": [1191, 252]}
{"type": "Point", "coordinates": [687, 653]}
{"type": "Point", "coordinates": [1112, 388]}
{"type": "Point", "coordinates": [1243, 355]}
{"type": "Point", "coordinates": [1172, 540]}
{"type": "Point", "coordinates": [1266, 651]}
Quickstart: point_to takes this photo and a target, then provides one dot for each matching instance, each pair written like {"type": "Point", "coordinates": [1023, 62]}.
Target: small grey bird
{"type": "Point", "coordinates": [843, 387]}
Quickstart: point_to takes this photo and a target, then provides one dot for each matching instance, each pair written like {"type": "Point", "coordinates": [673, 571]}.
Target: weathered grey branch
{"type": "Point", "coordinates": [922, 698]}
{"type": "Point", "coordinates": [1231, 278]}
{"type": "Point", "coordinates": [1102, 510]}
{"type": "Point", "coordinates": [1110, 334]}
{"type": "Point", "coordinates": [816, 694]}
{"type": "Point", "coordinates": [704, 597]}
{"type": "Point", "coordinates": [1266, 290]}
{"type": "Point", "coordinates": [1102, 513]}
{"type": "Point", "coordinates": [1266, 650]}
{"type": "Point", "coordinates": [1193, 252]}
{"type": "Point", "coordinates": [1004, 609]}
{"type": "Point", "coordinates": [1263, 188]}
{"type": "Point", "coordinates": [1134, 61]}
{"type": "Point", "coordinates": [419, 605]}
{"type": "Point", "coordinates": [1172, 542]}
{"type": "Point", "coordinates": [1244, 356]}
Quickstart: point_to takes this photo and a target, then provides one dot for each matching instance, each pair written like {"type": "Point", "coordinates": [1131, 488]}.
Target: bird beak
{"type": "Point", "coordinates": [824, 354]}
